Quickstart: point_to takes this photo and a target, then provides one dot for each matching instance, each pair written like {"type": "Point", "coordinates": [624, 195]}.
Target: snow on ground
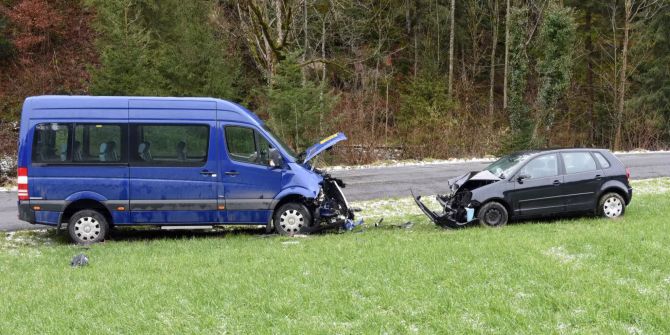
{"type": "Point", "coordinates": [9, 189]}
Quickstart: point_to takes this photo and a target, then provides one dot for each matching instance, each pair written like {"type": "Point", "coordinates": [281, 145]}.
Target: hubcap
{"type": "Point", "coordinates": [291, 221]}
{"type": "Point", "coordinates": [87, 228]}
{"type": "Point", "coordinates": [493, 217]}
{"type": "Point", "coordinates": [612, 207]}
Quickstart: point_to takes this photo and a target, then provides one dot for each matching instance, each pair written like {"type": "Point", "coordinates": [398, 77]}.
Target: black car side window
{"type": "Point", "coordinates": [604, 163]}
{"type": "Point", "coordinates": [576, 162]}
{"type": "Point", "coordinates": [540, 167]}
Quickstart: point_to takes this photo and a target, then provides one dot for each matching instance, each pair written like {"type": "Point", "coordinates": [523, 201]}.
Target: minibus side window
{"type": "Point", "coordinates": [247, 145]}
{"type": "Point", "coordinates": [169, 145]}
{"type": "Point", "coordinates": [241, 144]}
{"type": "Point", "coordinates": [51, 143]}
{"type": "Point", "coordinates": [98, 143]}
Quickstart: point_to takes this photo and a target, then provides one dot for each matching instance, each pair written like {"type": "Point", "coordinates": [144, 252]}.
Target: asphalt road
{"type": "Point", "coordinates": [387, 182]}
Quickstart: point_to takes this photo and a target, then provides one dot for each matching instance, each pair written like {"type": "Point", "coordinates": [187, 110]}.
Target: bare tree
{"type": "Point", "coordinates": [451, 48]}
{"type": "Point", "coordinates": [636, 12]}
{"type": "Point", "coordinates": [506, 73]}
{"type": "Point", "coordinates": [494, 44]}
{"type": "Point", "coordinates": [266, 27]}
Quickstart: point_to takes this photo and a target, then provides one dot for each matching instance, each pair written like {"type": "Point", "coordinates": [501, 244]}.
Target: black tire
{"type": "Point", "coordinates": [292, 218]}
{"type": "Point", "coordinates": [611, 205]}
{"type": "Point", "coordinates": [87, 226]}
{"type": "Point", "coordinates": [493, 214]}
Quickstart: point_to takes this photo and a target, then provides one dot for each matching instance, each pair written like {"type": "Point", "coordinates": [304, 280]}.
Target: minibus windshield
{"type": "Point", "coordinates": [286, 147]}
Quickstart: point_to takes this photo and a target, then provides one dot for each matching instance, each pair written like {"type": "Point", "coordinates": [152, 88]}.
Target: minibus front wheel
{"type": "Point", "coordinates": [87, 226]}
{"type": "Point", "coordinates": [292, 218]}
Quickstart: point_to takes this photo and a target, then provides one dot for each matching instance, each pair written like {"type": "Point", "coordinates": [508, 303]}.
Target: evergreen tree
{"type": "Point", "coordinates": [296, 108]}
{"type": "Point", "coordinates": [557, 38]}
{"type": "Point", "coordinates": [519, 114]}
{"type": "Point", "coordinates": [165, 47]}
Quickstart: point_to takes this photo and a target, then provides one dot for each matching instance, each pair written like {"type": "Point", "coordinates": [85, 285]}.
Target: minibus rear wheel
{"type": "Point", "coordinates": [292, 218]}
{"type": "Point", "coordinates": [87, 226]}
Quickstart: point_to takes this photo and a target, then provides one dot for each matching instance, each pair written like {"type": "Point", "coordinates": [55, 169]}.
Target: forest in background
{"type": "Point", "coordinates": [402, 78]}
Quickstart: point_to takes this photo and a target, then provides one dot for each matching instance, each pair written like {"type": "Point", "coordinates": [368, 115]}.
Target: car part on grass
{"type": "Point", "coordinates": [79, 261]}
{"type": "Point", "coordinates": [458, 208]}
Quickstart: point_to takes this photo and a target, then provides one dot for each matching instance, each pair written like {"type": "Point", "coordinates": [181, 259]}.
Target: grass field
{"type": "Point", "coordinates": [570, 276]}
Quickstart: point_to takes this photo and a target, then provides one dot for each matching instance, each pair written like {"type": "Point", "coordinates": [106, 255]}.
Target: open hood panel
{"type": "Point", "coordinates": [324, 144]}
{"type": "Point", "coordinates": [472, 180]}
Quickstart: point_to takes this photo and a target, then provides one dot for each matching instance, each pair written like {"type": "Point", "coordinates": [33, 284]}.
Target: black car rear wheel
{"type": "Point", "coordinates": [611, 205]}
{"type": "Point", "coordinates": [493, 214]}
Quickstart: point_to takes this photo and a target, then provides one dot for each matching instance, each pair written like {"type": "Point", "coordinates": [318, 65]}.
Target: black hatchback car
{"type": "Point", "coordinates": [536, 183]}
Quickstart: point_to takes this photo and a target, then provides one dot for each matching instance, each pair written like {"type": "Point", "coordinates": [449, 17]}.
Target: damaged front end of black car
{"type": "Point", "coordinates": [458, 206]}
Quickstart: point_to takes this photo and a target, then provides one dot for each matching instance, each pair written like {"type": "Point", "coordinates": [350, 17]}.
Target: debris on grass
{"type": "Point", "coordinates": [79, 261]}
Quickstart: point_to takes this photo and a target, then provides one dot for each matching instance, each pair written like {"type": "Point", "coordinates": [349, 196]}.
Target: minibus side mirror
{"type": "Point", "coordinates": [276, 161]}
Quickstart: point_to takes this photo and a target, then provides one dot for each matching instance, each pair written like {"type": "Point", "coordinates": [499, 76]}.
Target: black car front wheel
{"type": "Point", "coordinates": [493, 214]}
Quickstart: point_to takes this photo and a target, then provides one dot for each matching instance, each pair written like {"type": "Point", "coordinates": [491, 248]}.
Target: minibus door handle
{"type": "Point", "coordinates": [232, 173]}
{"type": "Point", "coordinates": [208, 173]}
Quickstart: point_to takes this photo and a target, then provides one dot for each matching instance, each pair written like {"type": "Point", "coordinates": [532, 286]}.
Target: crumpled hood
{"type": "Point", "coordinates": [474, 178]}
{"type": "Point", "coordinates": [324, 144]}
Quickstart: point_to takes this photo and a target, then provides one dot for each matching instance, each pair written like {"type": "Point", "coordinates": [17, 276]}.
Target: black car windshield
{"type": "Point", "coordinates": [504, 166]}
{"type": "Point", "coordinates": [281, 143]}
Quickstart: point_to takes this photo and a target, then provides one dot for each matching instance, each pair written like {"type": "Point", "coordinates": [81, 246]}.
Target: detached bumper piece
{"type": "Point", "coordinates": [447, 219]}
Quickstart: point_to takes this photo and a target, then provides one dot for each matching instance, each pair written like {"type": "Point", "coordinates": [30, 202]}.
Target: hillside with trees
{"type": "Point", "coordinates": [402, 78]}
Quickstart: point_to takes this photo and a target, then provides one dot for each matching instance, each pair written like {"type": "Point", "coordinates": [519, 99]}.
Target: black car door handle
{"type": "Point", "coordinates": [557, 182]}
{"type": "Point", "coordinates": [232, 173]}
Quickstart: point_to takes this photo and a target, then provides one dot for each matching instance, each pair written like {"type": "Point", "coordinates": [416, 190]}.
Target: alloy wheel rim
{"type": "Point", "coordinates": [612, 207]}
{"type": "Point", "coordinates": [87, 228]}
{"type": "Point", "coordinates": [291, 221]}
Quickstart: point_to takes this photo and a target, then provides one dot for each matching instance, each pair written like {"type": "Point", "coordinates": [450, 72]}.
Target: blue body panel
{"type": "Point", "coordinates": [135, 194]}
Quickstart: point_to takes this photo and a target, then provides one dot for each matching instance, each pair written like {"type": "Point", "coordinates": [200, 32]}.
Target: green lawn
{"type": "Point", "coordinates": [572, 276]}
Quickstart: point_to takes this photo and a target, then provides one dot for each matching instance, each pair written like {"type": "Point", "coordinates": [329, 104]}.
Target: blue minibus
{"type": "Point", "coordinates": [93, 163]}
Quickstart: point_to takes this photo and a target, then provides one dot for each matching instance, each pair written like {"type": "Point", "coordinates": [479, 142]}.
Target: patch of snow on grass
{"type": "Point", "coordinates": [562, 255]}
{"type": "Point", "coordinates": [633, 330]}
{"type": "Point", "coordinates": [651, 186]}
{"type": "Point", "coordinates": [376, 209]}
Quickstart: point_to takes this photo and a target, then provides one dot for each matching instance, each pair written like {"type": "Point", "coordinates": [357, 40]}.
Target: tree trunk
{"type": "Point", "coordinates": [451, 49]}
{"type": "Point", "coordinates": [506, 55]}
{"type": "Point", "coordinates": [306, 42]}
{"type": "Point", "coordinates": [492, 69]}
{"type": "Point", "coordinates": [386, 121]}
{"type": "Point", "coordinates": [623, 74]}
{"type": "Point", "coordinates": [589, 78]}
{"type": "Point", "coordinates": [323, 71]}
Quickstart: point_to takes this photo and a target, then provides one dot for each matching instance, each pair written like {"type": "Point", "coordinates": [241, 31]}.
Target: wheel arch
{"type": "Point", "coordinates": [85, 203]}
{"type": "Point", "coordinates": [499, 200]}
{"type": "Point", "coordinates": [615, 187]}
